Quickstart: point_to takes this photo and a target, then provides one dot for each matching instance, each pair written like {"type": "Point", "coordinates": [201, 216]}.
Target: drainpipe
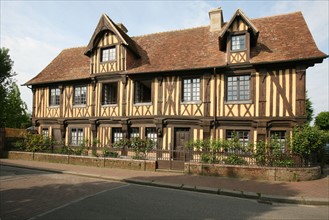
{"type": "Point", "coordinates": [215, 103]}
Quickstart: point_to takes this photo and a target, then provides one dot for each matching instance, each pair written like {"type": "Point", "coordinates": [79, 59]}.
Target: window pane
{"type": "Point", "coordinates": [143, 91]}
{"type": "Point", "coordinates": [80, 93]}
{"type": "Point", "coordinates": [191, 88]}
{"type": "Point", "coordinates": [152, 135]}
{"type": "Point", "coordinates": [110, 93]}
{"type": "Point", "coordinates": [116, 134]}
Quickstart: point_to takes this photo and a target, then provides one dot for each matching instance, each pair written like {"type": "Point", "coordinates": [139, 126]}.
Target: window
{"type": "Point", "coordinates": [54, 96]}
{"type": "Point", "coordinates": [238, 42]}
{"type": "Point", "coordinates": [45, 133]}
{"type": "Point", "coordinates": [238, 88]}
{"type": "Point", "coordinates": [142, 91]}
{"type": "Point", "coordinates": [76, 137]}
{"type": "Point", "coordinates": [279, 137]}
{"type": "Point", "coordinates": [242, 136]}
{"type": "Point", "coordinates": [134, 132]}
{"type": "Point", "coordinates": [151, 134]}
{"type": "Point", "coordinates": [80, 93]}
{"type": "Point", "coordinates": [117, 134]}
{"type": "Point", "coordinates": [108, 54]}
{"type": "Point", "coordinates": [110, 93]}
{"type": "Point", "coordinates": [191, 90]}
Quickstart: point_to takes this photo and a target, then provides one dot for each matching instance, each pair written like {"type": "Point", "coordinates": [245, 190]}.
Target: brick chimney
{"type": "Point", "coordinates": [122, 27]}
{"type": "Point", "coordinates": [216, 19]}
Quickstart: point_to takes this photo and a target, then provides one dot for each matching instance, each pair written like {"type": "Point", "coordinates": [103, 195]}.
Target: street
{"type": "Point", "coordinates": [42, 195]}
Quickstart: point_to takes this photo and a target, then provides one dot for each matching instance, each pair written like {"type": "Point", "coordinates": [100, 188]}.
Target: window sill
{"type": "Point", "coordinates": [143, 104]}
{"type": "Point", "coordinates": [191, 103]}
{"type": "Point", "coordinates": [238, 102]}
{"type": "Point", "coordinates": [79, 106]}
{"type": "Point", "coordinates": [240, 50]}
{"type": "Point", "coordinates": [110, 105]}
{"type": "Point", "coordinates": [54, 106]}
{"type": "Point", "coordinates": [109, 61]}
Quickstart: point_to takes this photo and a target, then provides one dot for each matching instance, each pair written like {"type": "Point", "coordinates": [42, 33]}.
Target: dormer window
{"type": "Point", "coordinates": [108, 54]}
{"type": "Point", "coordinates": [238, 42]}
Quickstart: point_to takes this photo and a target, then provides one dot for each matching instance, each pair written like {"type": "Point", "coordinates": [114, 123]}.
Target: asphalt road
{"type": "Point", "coordinates": [72, 197]}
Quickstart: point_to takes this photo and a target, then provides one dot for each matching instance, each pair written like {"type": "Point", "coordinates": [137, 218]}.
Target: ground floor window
{"type": "Point", "coordinates": [117, 134]}
{"type": "Point", "coordinates": [278, 140]}
{"type": "Point", "coordinates": [45, 133]}
{"type": "Point", "coordinates": [150, 133]}
{"type": "Point", "coordinates": [238, 136]}
{"type": "Point", "coordinates": [134, 132]}
{"type": "Point", "coordinates": [76, 136]}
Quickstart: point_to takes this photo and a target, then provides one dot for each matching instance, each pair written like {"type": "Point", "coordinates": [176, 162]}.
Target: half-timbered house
{"type": "Point", "coordinates": [244, 75]}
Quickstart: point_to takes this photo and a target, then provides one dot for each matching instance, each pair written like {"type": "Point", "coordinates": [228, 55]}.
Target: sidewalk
{"type": "Point", "coordinates": [314, 192]}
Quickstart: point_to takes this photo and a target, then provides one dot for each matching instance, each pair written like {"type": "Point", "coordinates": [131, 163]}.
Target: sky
{"type": "Point", "coordinates": [37, 31]}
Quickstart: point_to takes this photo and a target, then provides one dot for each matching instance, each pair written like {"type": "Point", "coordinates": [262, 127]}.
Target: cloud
{"type": "Point", "coordinates": [30, 56]}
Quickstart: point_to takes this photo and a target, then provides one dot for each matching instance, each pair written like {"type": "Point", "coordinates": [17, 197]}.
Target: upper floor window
{"type": "Point", "coordinates": [238, 42]}
{"type": "Point", "coordinates": [238, 88]}
{"type": "Point", "coordinates": [117, 134]}
{"type": "Point", "coordinates": [108, 54]}
{"type": "Point", "coordinates": [191, 89]}
{"type": "Point", "coordinates": [143, 91]}
{"type": "Point", "coordinates": [54, 98]}
{"type": "Point", "coordinates": [76, 136]}
{"type": "Point", "coordinates": [110, 91]}
{"type": "Point", "coordinates": [80, 94]}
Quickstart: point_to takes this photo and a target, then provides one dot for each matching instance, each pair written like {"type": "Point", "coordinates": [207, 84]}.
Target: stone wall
{"type": "Point", "coordinates": [145, 165]}
{"type": "Point", "coordinates": [256, 173]}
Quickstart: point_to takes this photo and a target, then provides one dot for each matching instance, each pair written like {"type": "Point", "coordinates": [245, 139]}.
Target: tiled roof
{"type": "Point", "coordinates": [281, 38]}
{"type": "Point", "coordinates": [70, 64]}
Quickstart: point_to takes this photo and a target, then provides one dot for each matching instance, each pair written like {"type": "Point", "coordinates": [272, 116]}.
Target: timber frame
{"type": "Point", "coordinates": [275, 86]}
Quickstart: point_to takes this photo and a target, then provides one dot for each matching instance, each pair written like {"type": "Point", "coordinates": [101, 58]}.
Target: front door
{"type": "Point", "coordinates": [182, 136]}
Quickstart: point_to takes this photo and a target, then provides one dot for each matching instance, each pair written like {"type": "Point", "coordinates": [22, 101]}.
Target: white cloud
{"type": "Point", "coordinates": [30, 56]}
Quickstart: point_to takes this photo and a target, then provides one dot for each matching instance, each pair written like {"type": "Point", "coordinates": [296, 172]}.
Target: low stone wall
{"type": "Point", "coordinates": [255, 173]}
{"type": "Point", "coordinates": [144, 165]}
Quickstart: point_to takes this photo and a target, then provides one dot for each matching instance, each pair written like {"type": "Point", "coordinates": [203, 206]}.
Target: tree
{"type": "Point", "coordinates": [13, 111]}
{"type": "Point", "coordinates": [309, 109]}
{"type": "Point", "coordinates": [322, 121]}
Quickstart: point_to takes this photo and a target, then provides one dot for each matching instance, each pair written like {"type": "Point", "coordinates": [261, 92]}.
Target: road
{"type": "Point", "coordinates": [41, 195]}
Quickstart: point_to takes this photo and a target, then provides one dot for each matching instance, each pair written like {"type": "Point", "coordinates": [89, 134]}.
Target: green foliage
{"type": "Point", "coordinates": [13, 111]}
{"type": "Point", "coordinates": [234, 159]}
{"type": "Point", "coordinates": [260, 153]}
{"type": "Point", "coordinates": [122, 143]}
{"type": "Point", "coordinates": [309, 109]}
{"type": "Point", "coordinates": [141, 147]}
{"type": "Point", "coordinates": [35, 143]}
{"type": "Point", "coordinates": [108, 153]}
{"type": "Point", "coordinates": [322, 121]}
{"type": "Point", "coordinates": [307, 140]}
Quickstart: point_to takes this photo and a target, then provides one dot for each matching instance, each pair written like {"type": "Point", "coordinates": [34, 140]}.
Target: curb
{"type": "Point", "coordinates": [261, 198]}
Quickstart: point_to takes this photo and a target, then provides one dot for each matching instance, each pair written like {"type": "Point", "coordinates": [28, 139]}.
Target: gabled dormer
{"type": "Point", "coordinates": [110, 48]}
{"type": "Point", "coordinates": [237, 37]}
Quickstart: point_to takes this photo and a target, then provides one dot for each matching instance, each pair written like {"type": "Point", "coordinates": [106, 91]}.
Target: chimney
{"type": "Point", "coordinates": [216, 19]}
{"type": "Point", "coordinates": [122, 27]}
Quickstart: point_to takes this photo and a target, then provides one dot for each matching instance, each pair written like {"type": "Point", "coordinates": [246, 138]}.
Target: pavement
{"type": "Point", "coordinates": [314, 192]}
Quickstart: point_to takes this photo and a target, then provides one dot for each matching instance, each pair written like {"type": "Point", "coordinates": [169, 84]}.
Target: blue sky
{"type": "Point", "coordinates": [37, 31]}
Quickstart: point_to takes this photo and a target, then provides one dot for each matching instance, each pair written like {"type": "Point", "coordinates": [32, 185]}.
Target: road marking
{"type": "Point", "coordinates": [75, 201]}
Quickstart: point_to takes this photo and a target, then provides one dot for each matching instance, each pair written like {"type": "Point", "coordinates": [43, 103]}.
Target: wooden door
{"type": "Point", "coordinates": [182, 136]}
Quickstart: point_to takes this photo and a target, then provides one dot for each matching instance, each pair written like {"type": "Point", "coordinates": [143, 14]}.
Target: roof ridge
{"type": "Point", "coordinates": [162, 32]}
{"type": "Point", "coordinates": [77, 47]}
{"type": "Point", "coordinates": [278, 15]}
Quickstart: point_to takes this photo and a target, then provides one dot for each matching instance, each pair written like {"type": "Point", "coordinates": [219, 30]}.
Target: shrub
{"type": "Point", "coordinates": [108, 153]}
{"type": "Point", "coordinates": [234, 159]}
